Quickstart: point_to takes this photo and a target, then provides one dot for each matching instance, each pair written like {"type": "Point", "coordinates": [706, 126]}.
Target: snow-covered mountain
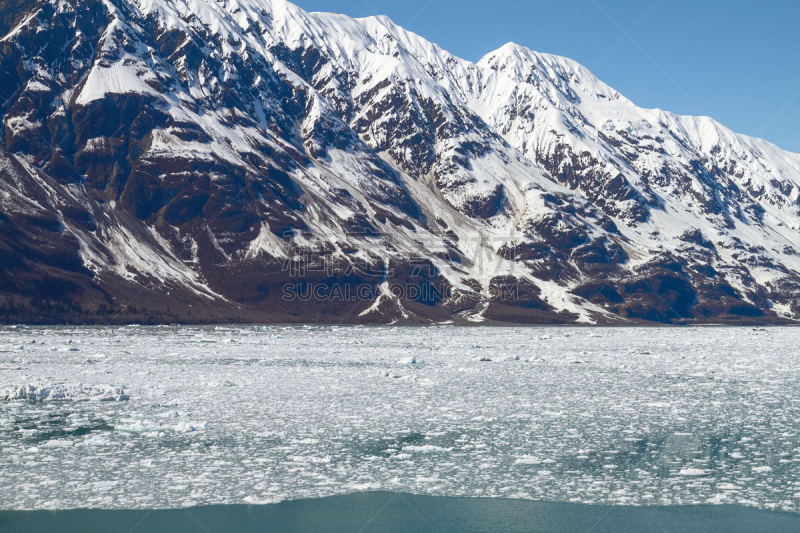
{"type": "Point", "coordinates": [217, 160]}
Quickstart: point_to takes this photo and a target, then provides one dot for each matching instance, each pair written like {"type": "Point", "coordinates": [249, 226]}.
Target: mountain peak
{"type": "Point", "coordinates": [185, 150]}
{"type": "Point", "coordinates": [547, 71]}
{"type": "Point", "coordinates": [509, 49]}
{"type": "Point", "coordinates": [512, 51]}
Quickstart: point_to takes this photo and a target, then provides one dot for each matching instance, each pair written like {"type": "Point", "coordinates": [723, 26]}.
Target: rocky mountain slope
{"type": "Point", "coordinates": [243, 160]}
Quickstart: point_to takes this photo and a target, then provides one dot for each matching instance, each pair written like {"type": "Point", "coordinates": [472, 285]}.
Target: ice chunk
{"type": "Point", "coordinates": [6, 348]}
{"type": "Point", "coordinates": [39, 392]}
{"type": "Point", "coordinates": [57, 443]}
{"type": "Point", "coordinates": [528, 460]}
{"type": "Point", "coordinates": [191, 427]}
{"type": "Point", "coordinates": [692, 472]}
{"type": "Point", "coordinates": [425, 448]}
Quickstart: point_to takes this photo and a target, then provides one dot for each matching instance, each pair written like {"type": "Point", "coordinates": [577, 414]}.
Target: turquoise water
{"type": "Point", "coordinates": [393, 512]}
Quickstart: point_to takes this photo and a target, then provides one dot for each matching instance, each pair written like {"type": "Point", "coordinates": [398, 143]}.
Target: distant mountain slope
{"type": "Point", "coordinates": [243, 160]}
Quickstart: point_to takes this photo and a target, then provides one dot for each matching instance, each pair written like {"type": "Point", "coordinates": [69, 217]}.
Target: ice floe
{"type": "Point", "coordinates": [61, 392]}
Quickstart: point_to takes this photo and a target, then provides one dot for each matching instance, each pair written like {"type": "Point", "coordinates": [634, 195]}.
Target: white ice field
{"type": "Point", "coordinates": [168, 417]}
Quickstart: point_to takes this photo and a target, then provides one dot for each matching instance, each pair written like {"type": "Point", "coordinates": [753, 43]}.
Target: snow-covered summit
{"type": "Point", "coordinates": [523, 65]}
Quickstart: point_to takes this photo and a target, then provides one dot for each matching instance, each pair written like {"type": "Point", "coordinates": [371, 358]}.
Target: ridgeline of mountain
{"type": "Point", "coordinates": [244, 160]}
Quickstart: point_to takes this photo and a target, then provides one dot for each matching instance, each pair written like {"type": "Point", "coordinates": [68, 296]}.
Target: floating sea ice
{"type": "Point", "coordinates": [57, 443]}
{"type": "Point", "coordinates": [719, 499]}
{"type": "Point", "coordinates": [408, 361]}
{"type": "Point", "coordinates": [528, 460]}
{"type": "Point", "coordinates": [191, 427]}
{"type": "Point", "coordinates": [97, 440]}
{"type": "Point", "coordinates": [103, 486]}
{"type": "Point", "coordinates": [64, 349]}
{"type": "Point", "coordinates": [138, 425]}
{"type": "Point", "coordinates": [172, 379]}
{"type": "Point", "coordinates": [310, 459]}
{"type": "Point", "coordinates": [692, 472]}
{"type": "Point", "coordinates": [218, 384]}
{"type": "Point", "coordinates": [6, 348]}
{"type": "Point", "coordinates": [425, 448]}
{"type": "Point", "coordinates": [38, 392]}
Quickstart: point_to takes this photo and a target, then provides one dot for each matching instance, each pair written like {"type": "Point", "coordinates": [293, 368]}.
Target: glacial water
{"type": "Point", "coordinates": [401, 513]}
{"type": "Point", "coordinates": [640, 420]}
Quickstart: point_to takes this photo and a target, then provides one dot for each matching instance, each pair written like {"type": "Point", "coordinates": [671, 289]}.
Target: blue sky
{"type": "Point", "coordinates": [735, 60]}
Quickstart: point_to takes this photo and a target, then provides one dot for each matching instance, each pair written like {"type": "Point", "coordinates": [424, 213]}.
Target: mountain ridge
{"type": "Point", "coordinates": [188, 160]}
